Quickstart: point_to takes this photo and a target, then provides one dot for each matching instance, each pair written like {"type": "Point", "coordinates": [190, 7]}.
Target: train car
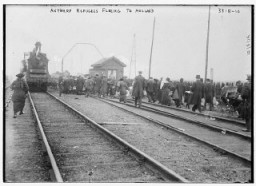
{"type": "Point", "coordinates": [37, 73]}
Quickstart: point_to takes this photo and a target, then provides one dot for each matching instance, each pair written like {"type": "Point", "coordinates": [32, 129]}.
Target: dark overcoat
{"type": "Point", "coordinates": [104, 85]}
{"type": "Point", "coordinates": [20, 89]}
{"type": "Point", "coordinates": [208, 93]}
{"type": "Point", "coordinates": [123, 87]}
{"type": "Point", "coordinates": [139, 86]}
{"type": "Point", "coordinates": [79, 84]}
{"type": "Point", "coordinates": [97, 85]}
{"type": "Point", "coordinates": [181, 90]}
{"type": "Point", "coordinates": [150, 85]}
{"type": "Point", "coordinates": [197, 89]}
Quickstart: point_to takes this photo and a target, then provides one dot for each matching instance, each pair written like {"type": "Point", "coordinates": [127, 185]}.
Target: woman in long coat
{"type": "Point", "coordinates": [20, 88]}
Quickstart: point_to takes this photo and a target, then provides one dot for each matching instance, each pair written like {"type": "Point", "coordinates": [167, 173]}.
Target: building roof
{"type": "Point", "coordinates": [105, 60]}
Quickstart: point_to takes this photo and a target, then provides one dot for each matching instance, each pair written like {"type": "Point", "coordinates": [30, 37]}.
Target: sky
{"type": "Point", "coordinates": [179, 47]}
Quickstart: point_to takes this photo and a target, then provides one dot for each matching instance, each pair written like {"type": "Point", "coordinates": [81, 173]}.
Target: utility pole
{"type": "Point", "coordinates": [207, 44]}
{"type": "Point", "coordinates": [211, 74]}
{"type": "Point", "coordinates": [150, 59]}
{"type": "Point", "coordinates": [133, 56]}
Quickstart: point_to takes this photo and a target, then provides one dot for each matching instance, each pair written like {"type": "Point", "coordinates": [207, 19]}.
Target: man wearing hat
{"type": "Point", "coordinates": [20, 88]}
{"type": "Point", "coordinates": [247, 97]}
{"type": "Point", "coordinates": [197, 89]}
{"type": "Point", "coordinates": [138, 87]}
{"type": "Point", "coordinates": [208, 93]}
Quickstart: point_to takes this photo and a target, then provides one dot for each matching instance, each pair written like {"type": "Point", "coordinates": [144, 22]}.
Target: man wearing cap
{"type": "Point", "coordinates": [20, 88]}
{"type": "Point", "coordinates": [197, 89]}
{"type": "Point", "coordinates": [138, 87]}
{"type": "Point", "coordinates": [247, 97]}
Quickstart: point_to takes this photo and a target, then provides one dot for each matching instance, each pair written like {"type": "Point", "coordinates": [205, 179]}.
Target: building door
{"type": "Point", "coordinates": [112, 73]}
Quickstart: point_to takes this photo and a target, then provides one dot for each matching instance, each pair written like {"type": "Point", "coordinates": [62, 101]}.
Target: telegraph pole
{"type": "Point", "coordinates": [149, 73]}
{"type": "Point", "coordinates": [207, 44]}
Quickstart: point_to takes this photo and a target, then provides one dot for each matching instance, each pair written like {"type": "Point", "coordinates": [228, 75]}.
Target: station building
{"type": "Point", "coordinates": [111, 66]}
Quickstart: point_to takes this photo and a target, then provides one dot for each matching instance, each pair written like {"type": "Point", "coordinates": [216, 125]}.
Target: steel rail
{"type": "Point", "coordinates": [191, 112]}
{"type": "Point", "coordinates": [48, 148]}
{"type": "Point", "coordinates": [211, 127]}
{"type": "Point", "coordinates": [180, 131]}
{"type": "Point", "coordinates": [141, 156]}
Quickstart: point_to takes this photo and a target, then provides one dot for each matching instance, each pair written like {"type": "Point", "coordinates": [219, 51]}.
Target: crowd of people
{"type": "Point", "coordinates": [200, 94]}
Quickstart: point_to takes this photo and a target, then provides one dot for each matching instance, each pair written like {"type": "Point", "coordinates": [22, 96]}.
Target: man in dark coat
{"type": "Point", "coordinates": [104, 86]}
{"type": "Point", "coordinates": [138, 87]}
{"type": "Point", "coordinates": [197, 89]}
{"type": "Point", "coordinates": [181, 90]}
{"type": "Point", "coordinates": [79, 85]}
{"type": "Point", "coordinates": [166, 92]}
{"type": "Point", "coordinates": [208, 93]}
{"type": "Point", "coordinates": [97, 84]}
{"type": "Point", "coordinates": [66, 84]}
{"type": "Point", "coordinates": [150, 90]}
{"type": "Point", "coordinates": [88, 86]}
{"type": "Point", "coordinates": [247, 97]}
{"type": "Point", "coordinates": [20, 88]}
{"type": "Point", "coordinates": [122, 88]}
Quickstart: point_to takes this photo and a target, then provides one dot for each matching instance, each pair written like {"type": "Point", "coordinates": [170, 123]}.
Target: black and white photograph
{"type": "Point", "coordinates": [128, 93]}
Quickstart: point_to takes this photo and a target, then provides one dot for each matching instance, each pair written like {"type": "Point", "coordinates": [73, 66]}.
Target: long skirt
{"type": "Point", "coordinates": [18, 106]}
{"type": "Point", "coordinates": [122, 98]}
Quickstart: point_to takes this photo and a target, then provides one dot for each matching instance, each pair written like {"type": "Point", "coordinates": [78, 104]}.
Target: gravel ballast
{"type": "Point", "coordinates": [192, 160]}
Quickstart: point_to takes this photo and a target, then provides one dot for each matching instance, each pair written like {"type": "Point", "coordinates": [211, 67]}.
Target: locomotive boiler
{"type": "Point", "coordinates": [36, 69]}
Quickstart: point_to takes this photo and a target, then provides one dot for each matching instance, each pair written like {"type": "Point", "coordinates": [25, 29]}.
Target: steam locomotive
{"type": "Point", "coordinates": [36, 70]}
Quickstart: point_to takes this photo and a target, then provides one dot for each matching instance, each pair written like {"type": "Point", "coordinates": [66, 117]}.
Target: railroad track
{"type": "Point", "coordinates": [224, 119]}
{"type": "Point", "coordinates": [217, 140]}
{"type": "Point", "coordinates": [81, 150]}
{"type": "Point", "coordinates": [226, 126]}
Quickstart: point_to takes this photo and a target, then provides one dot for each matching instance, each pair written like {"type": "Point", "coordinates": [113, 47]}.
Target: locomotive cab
{"type": "Point", "coordinates": [37, 71]}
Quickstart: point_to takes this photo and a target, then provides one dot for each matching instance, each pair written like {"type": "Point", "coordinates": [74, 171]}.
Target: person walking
{"type": "Point", "coordinates": [247, 97]}
{"type": "Point", "coordinates": [97, 85]}
{"type": "Point", "coordinates": [208, 93]}
{"type": "Point", "coordinates": [138, 87]}
{"type": "Point", "coordinates": [180, 90]}
{"type": "Point", "coordinates": [79, 85]}
{"type": "Point", "coordinates": [88, 86]}
{"type": "Point", "coordinates": [20, 90]}
{"type": "Point", "coordinates": [197, 90]}
{"type": "Point", "coordinates": [150, 90]}
{"type": "Point", "coordinates": [122, 88]}
{"type": "Point", "coordinates": [104, 86]}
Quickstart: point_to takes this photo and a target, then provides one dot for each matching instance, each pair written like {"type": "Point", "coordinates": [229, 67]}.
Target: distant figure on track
{"type": "Point", "coordinates": [20, 88]}
{"type": "Point", "coordinates": [138, 87]}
